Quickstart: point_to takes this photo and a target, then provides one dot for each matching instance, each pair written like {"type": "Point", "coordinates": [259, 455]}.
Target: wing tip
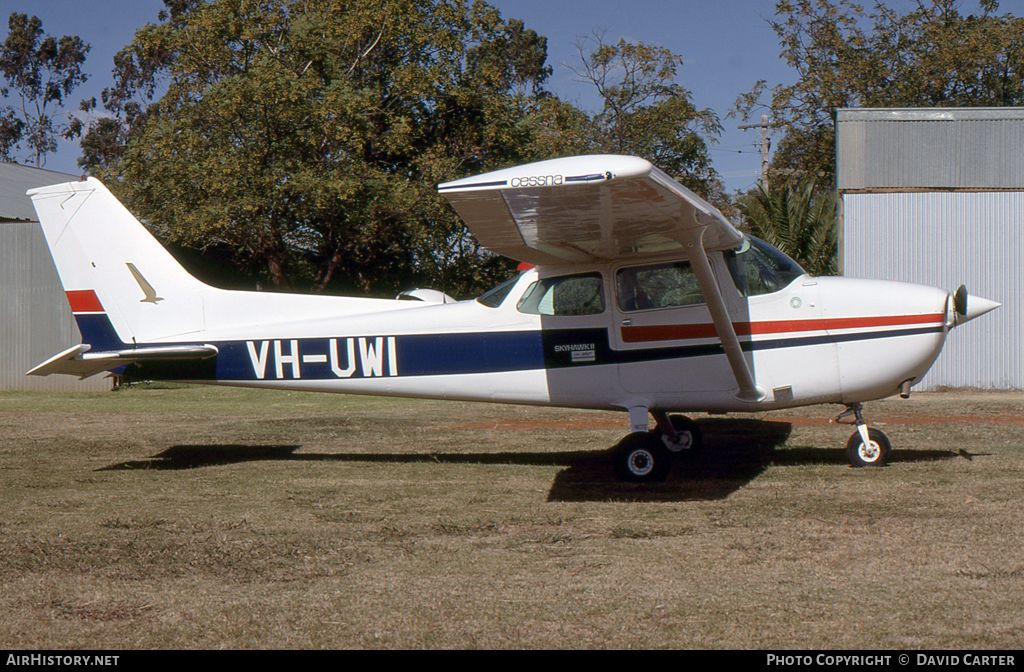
{"type": "Point", "coordinates": [584, 169]}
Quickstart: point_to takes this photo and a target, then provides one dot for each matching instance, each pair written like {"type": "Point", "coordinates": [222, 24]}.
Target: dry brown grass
{"type": "Point", "coordinates": [209, 518]}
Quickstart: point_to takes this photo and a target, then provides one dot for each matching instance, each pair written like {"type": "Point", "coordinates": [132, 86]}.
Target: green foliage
{"type": "Point", "coordinates": [798, 220]}
{"type": "Point", "coordinates": [931, 56]}
{"type": "Point", "coordinates": [308, 137]}
{"type": "Point", "coordinates": [647, 113]}
{"type": "Point", "coordinates": [305, 138]}
{"type": "Point", "coordinates": [40, 72]}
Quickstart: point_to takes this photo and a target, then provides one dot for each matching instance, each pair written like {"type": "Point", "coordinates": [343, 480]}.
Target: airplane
{"type": "Point", "coordinates": [634, 295]}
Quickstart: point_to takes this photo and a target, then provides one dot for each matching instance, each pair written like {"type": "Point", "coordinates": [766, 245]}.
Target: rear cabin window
{"type": "Point", "coordinates": [493, 298]}
{"type": "Point", "coordinates": [657, 286]}
{"type": "Point", "coordinates": [566, 295]}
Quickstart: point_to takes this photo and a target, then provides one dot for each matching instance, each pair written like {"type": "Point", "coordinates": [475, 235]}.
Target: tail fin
{"type": "Point", "coordinates": [123, 286]}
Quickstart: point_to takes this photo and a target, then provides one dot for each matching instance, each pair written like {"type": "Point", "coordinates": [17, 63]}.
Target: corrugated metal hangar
{"type": "Point", "coordinates": [936, 196]}
{"type": "Point", "coordinates": [36, 319]}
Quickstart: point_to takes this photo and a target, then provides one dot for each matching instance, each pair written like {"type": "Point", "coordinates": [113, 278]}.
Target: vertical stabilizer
{"type": "Point", "coordinates": [123, 286]}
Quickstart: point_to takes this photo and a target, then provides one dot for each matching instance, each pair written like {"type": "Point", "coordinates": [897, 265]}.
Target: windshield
{"type": "Point", "coordinates": [758, 268]}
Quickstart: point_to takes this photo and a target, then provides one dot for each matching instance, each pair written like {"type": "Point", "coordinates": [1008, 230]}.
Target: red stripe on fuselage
{"type": "Point", "coordinates": [84, 301]}
{"type": "Point", "coordinates": [675, 332]}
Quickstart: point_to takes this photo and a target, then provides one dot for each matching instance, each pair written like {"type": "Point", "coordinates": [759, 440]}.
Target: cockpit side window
{"type": "Point", "coordinates": [567, 295]}
{"type": "Point", "coordinates": [657, 286]}
{"type": "Point", "coordinates": [758, 268]}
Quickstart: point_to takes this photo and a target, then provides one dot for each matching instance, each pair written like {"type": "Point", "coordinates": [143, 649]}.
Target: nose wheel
{"type": "Point", "coordinates": [871, 452]}
{"type": "Point", "coordinates": [868, 447]}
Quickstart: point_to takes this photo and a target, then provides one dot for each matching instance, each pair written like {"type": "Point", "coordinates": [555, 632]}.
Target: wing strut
{"type": "Point", "coordinates": [749, 390]}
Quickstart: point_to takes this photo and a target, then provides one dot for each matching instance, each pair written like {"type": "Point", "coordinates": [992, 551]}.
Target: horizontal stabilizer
{"type": "Point", "coordinates": [79, 361]}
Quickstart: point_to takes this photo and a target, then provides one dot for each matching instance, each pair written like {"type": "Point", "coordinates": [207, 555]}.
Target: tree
{"type": "Point", "coordinates": [40, 73]}
{"type": "Point", "coordinates": [306, 137]}
{"type": "Point", "coordinates": [932, 56]}
{"type": "Point", "coordinates": [646, 112]}
{"type": "Point", "coordinates": [798, 219]}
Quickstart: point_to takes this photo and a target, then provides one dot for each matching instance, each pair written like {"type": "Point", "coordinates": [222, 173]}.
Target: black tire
{"type": "Point", "coordinates": [875, 455]}
{"type": "Point", "coordinates": [691, 440]}
{"type": "Point", "coordinates": [641, 457]}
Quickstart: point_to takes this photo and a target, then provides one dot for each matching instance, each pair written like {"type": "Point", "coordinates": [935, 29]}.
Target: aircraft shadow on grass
{"type": "Point", "coordinates": [735, 452]}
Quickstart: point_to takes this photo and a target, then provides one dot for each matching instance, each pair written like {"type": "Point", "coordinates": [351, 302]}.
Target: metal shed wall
{"type": "Point", "coordinates": [936, 196]}
{"type": "Point", "coordinates": [35, 319]}
{"type": "Point", "coordinates": [908, 149]}
{"type": "Point", "coordinates": [944, 240]}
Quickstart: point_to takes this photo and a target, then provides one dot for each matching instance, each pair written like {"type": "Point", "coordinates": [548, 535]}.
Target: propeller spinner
{"type": "Point", "coordinates": [968, 310]}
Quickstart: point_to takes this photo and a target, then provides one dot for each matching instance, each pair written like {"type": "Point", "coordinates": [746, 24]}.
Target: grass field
{"type": "Point", "coordinates": [218, 518]}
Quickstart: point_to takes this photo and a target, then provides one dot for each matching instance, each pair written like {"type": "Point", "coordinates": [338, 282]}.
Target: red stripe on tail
{"type": "Point", "coordinates": [84, 301]}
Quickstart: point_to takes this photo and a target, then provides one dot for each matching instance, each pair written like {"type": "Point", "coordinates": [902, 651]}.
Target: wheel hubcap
{"type": "Point", "coordinates": [641, 462]}
{"type": "Point", "coordinates": [869, 451]}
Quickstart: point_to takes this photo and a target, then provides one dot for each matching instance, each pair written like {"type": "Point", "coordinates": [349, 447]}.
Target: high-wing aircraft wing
{"type": "Point", "coordinates": [585, 208]}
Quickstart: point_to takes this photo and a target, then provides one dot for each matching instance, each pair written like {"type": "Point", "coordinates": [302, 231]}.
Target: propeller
{"type": "Point", "coordinates": [960, 300]}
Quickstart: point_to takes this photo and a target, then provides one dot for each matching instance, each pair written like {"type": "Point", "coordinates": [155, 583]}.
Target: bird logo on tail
{"type": "Point", "coordinates": [147, 289]}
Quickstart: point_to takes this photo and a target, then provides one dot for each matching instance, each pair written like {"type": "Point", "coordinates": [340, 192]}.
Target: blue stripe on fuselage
{"type": "Point", "coordinates": [414, 355]}
{"type": "Point", "coordinates": [434, 354]}
{"type": "Point", "coordinates": [427, 354]}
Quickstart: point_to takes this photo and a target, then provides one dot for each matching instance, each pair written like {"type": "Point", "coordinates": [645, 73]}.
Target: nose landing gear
{"type": "Point", "coordinates": [868, 447]}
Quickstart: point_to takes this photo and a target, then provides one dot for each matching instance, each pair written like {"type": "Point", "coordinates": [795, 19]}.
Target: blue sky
{"type": "Point", "coordinates": [726, 46]}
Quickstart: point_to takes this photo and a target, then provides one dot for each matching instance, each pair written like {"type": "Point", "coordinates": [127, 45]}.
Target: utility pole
{"type": "Point", "coordinates": [765, 145]}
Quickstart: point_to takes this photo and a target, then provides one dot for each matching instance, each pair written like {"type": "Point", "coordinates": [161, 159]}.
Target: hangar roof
{"type": "Point", "coordinates": [16, 179]}
{"type": "Point", "coordinates": [922, 149]}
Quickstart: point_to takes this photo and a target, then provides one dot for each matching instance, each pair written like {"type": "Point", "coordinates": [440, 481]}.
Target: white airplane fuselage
{"type": "Point", "coordinates": [817, 340]}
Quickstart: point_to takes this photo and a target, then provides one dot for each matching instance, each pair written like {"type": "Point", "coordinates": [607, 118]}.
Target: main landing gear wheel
{"type": "Point", "coordinates": [642, 457]}
{"type": "Point", "coordinates": [688, 440]}
{"type": "Point", "coordinates": [874, 453]}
